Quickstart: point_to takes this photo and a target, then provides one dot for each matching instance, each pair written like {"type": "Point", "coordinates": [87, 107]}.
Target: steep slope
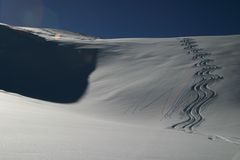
{"type": "Point", "coordinates": [37, 68]}
{"type": "Point", "coordinates": [166, 98]}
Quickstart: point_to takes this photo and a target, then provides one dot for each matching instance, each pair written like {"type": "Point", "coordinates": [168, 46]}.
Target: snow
{"type": "Point", "coordinates": [55, 34]}
{"type": "Point", "coordinates": [136, 93]}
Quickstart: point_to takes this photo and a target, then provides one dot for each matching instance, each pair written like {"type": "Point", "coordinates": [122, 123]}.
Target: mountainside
{"type": "Point", "coordinates": [69, 96]}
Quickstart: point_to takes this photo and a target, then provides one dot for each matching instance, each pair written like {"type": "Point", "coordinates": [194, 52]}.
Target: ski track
{"type": "Point", "coordinates": [204, 93]}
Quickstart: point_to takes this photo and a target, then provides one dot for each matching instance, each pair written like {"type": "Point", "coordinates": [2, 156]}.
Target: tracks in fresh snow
{"type": "Point", "coordinates": [204, 94]}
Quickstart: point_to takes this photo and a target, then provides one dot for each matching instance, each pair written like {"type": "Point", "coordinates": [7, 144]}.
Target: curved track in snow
{"type": "Point", "coordinates": [201, 89]}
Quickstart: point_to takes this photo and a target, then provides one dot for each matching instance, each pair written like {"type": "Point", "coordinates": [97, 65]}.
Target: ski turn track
{"type": "Point", "coordinates": [204, 94]}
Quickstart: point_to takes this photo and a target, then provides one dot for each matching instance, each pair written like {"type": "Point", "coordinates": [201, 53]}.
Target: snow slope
{"type": "Point", "coordinates": [143, 99]}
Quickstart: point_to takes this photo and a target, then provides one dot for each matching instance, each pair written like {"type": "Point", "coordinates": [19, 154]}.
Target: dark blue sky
{"type": "Point", "coordinates": [127, 18]}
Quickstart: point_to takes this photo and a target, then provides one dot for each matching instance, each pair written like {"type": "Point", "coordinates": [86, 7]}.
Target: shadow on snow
{"type": "Point", "coordinates": [34, 67]}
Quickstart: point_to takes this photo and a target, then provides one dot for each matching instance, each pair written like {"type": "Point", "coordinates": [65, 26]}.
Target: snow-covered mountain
{"type": "Point", "coordinates": [70, 96]}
